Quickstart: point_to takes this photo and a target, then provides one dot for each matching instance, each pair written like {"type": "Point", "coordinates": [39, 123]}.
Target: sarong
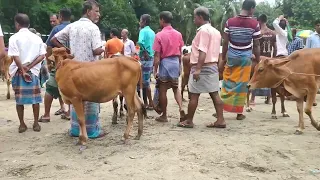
{"type": "Point", "coordinates": [208, 82]}
{"type": "Point", "coordinates": [26, 92]}
{"type": "Point", "coordinates": [234, 90]}
{"type": "Point", "coordinates": [147, 67]}
{"type": "Point", "coordinates": [261, 92]}
{"type": "Point", "coordinates": [91, 111]}
{"type": "Point", "coordinates": [169, 70]}
{"type": "Point", "coordinates": [44, 73]}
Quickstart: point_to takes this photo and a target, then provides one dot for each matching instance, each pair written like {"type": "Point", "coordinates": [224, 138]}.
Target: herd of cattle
{"type": "Point", "coordinates": [297, 75]}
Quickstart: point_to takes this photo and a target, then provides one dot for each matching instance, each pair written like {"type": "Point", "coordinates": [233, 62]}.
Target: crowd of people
{"type": "Point", "coordinates": [244, 39]}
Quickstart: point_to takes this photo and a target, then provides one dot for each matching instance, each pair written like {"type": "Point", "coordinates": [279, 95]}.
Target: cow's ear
{"type": "Point", "coordinates": [279, 62]}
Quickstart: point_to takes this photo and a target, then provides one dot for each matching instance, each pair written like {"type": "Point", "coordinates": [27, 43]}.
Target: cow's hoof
{"type": "Point", "coordinates": [249, 109]}
{"type": "Point", "coordinates": [298, 132]}
{"type": "Point", "coordinates": [8, 96]}
{"type": "Point", "coordinates": [137, 138]}
{"type": "Point", "coordinates": [121, 114]}
{"type": "Point", "coordinates": [184, 100]}
{"type": "Point", "coordinates": [285, 115]}
{"type": "Point", "coordinates": [274, 117]}
{"type": "Point", "coordinates": [114, 119]}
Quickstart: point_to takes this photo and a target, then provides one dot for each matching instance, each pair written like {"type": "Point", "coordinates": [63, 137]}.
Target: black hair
{"type": "Point", "coordinates": [87, 5]}
{"type": "Point", "coordinates": [263, 18]}
{"type": "Point", "coordinates": [65, 13]}
{"type": "Point", "coordinates": [248, 5]}
{"type": "Point", "coordinates": [316, 22]}
{"type": "Point", "coordinates": [185, 51]}
{"type": "Point", "coordinates": [146, 18]}
{"type": "Point", "coordinates": [203, 12]}
{"type": "Point", "coordinates": [22, 19]}
{"type": "Point", "coordinates": [166, 16]}
{"type": "Point", "coordinates": [115, 32]}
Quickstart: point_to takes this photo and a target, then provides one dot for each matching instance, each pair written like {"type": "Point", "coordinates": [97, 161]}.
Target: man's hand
{"type": "Point", "coordinates": [26, 77]}
{"type": "Point", "coordinates": [26, 68]}
{"type": "Point", "coordinates": [196, 75]}
{"type": "Point", "coordinates": [146, 55]}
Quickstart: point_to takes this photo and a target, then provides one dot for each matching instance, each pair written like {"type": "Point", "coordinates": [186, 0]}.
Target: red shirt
{"type": "Point", "coordinates": [168, 42]}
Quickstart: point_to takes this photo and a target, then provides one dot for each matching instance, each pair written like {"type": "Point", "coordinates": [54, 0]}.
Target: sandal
{"type": "Point", "coordinates": [184, 124]}
{"type": "Point", "coordinates": [59, 112]}
{"type": "Point", "coordinates": [44, 120]}
{"type": "Point", "coordinates": [183, 116]}
{"type": "Point", "coordinates": [219, 126]}
{"type": "Point", "coordinates": [64, 116]}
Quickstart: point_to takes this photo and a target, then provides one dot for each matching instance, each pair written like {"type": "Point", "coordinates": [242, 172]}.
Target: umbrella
{"type": "Point", "coordinates": [304, 33]}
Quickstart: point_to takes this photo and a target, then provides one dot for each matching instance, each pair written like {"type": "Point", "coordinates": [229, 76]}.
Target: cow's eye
{"type": "Point", "coordinates": [260, 69]}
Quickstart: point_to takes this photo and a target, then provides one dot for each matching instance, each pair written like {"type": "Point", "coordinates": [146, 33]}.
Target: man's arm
{"type": "Point", "coordinates": [203, 49]}
{"type": "Point", "coordinates": [256, 52]}
{"type": "Point", "coordinates": [13, 51]}
{"type": "Point", "coordinates": [52, 33]}
{"type": "Point", "coordinates": [225, 46]}
{"type": "Point", "coordinates": [141, 41]}
{"type": "Point", "coordinates": [96, 42]}
{"type": "Point", "coordinates": [40, 58]}
{"type": "Point", "coordinates": [106, 50]}
{"type": "Point", "coordinates": [61, 38]}
{"type": "Point", "coordinates": [133, 48]}
{"type": "Point", "coordinates": [157, 48]}
{"type": "Point", "coordinates": [277, 28]}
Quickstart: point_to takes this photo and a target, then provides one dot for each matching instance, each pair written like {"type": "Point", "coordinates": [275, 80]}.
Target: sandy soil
{"type": "Point", "coordinates": [256, 148]}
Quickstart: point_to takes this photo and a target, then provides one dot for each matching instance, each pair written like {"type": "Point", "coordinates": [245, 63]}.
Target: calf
{"type": "Point", "coordinates": [186, 67]}
{"type": "Point", "coordinates": [298, 74]}
{"type": "Point", "coordinates": [274, 92]}
{"type": "Point", "coordinates": [5, 62]}
{"type": "Point", "coordinates": [99, 81]}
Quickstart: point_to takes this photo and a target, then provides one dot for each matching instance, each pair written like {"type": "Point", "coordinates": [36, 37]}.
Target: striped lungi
{"type": "Point", "coordinates": [147, 67]}
{"type": "Point", "coordinates": [234, 90]}
{"type": "Point", "coordinates": [26, 92]}
{"type": "Point", "coordinates": [208, 82]}
{"type": "Point", "coordinates": [91, 111]}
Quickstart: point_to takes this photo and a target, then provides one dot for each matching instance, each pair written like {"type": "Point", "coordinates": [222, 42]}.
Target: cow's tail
{"type": "Point", "coordinates": [141, 78]}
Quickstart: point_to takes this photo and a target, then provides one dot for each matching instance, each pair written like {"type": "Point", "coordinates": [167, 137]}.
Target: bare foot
{"type": "Point", "coordinates": [22, 128]}
{"type": "Point", "coordinates": [36, 127]}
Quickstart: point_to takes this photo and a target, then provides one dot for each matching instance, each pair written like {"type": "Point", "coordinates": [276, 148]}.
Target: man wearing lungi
{"type": "Point", "coordinates": [241, 37]}
{"type": "Point", "coordinates": [167, 46]}
{"type": "Point", "coordinates": [146, 54]}
{"type": "Point", "coordinates": [27, 50]}
{"type": "Point", "coordinates": [85, 45]}
{"type": "Point", "coordinates": [204, 74]}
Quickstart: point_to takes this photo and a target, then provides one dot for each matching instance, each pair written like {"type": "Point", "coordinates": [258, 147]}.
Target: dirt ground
{"type": "Point", "coordinates": [256, 148]}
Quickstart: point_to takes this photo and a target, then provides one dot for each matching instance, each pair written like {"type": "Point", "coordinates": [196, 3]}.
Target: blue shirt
{"type": "Point", "coordinates": [296, 44]}
{"type": "Point", "coordinates": [146, 40]}
{"type": "Point", "coordinates": [313, 41]}
{"type": "Point", "coordinates": [54, 31]}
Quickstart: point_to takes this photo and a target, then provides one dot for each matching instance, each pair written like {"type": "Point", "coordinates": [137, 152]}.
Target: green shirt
{"type": "Point", "coordinates": [146, 40]}
{"type": "Point", "coordinates": [52, 79]}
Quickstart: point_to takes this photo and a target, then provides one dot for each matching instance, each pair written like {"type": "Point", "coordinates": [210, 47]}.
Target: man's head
{"type": "Point", "coordinates": [165, 18]}
{"type": "Point", "coordinates": [91, 10]}
{"type": "Point", "coordinates": [201, 16]}
{"type": "Point", "coordinates": [283, 23]}
{"type": "Point", "coordinates": [145, 20]}
{"type": "Point", "coordinates": [317, 26]}
{"type": "Point", "coordinates": [54, 20]}
{"type": "Point", "coordinates": [294, 32]}
{"type": "Point", "coordinates": [249, 6]}
{"type": "Point", "coordinates": [21, 21]}
{"type": "Point", "coordinates": [114, 33]}
{"type": "Point", "coordinates": [124, 33]}
{"type": "Point", "coordinates": [65, 14]}
{"type": "Point", "coordinates": [262, 19]}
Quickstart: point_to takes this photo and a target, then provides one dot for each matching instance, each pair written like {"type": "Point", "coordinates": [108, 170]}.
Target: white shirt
{"type": "Point", "coordinates": [83, 36]}
{"type": "Point", "coordinates": [1, 34]}
{"type": "Point", "coordinates": [281, 37]}
{"type": "Point", "coordinates": [28, 46]}
{"type": "Point", "coordinates": [129, 47]}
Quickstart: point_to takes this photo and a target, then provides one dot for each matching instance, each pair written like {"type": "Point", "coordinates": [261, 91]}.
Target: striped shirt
{"type": "Point", "coordinates": [242, 30]}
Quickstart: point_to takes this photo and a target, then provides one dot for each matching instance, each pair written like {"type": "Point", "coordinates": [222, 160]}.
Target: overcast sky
{"type": "Point", "coordinates": [270, 1]}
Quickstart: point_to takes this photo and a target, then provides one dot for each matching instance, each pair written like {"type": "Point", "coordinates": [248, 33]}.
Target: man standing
{"type": "Point", "coordinates": [114, 45]}
{"type": "Point", "coordinates": [85, 45]}
{"type": "Point", "coordinates": [52, 91]}
{"type": "Point", "coordinates": [280, 25]}
{"type": "Point", "coordinates": [238, 35]}
{"type": "Point", "coordinates": [314, 40]}
{"type": "Point", "coordinates": [204, 75]}
{"type": "Point", "coordinates": [146, 40]}
{"type": "Point", "coordinates": [296, 44]}
{"type": "Point", "coordinates": [27, 50]}
{"type": "Point", "coordinates": [54, 21]}
{"type": "Point", "coordinates": [129, 48]}
{"type": "Point", "coordinates": [167, 46]}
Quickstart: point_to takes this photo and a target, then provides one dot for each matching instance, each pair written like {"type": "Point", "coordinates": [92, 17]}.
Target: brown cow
{"type": "Point", "coordinates": [299, 74]}
{"type": "Point", "coordinates": [5, 62]}
{"type": "Point", "coordinates": [186, 67]}
{"type": "Point", "coordinates": [274, 92]}
{"type": "Point", "coordinates": [99, 81]}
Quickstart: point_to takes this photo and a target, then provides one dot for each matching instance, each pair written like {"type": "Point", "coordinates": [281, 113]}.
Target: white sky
{"type": "Point", "coordinates": [270, 1]}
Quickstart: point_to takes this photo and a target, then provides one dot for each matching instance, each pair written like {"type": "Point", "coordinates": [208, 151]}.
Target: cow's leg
{"type": "Point", "coordinates": [115, 110]}
{"type": "Point", "coordinates": [121, 106]}
{"type": "Point", "coordinates": [131, 111]}
{"type": "Point", "coordinates": [79, 108]}
{"type": "Point", "coordinates": [274, 101]}
{"type": "Point", "coordinates": [248, 108]}
{"type": "Point", "coordinates": [300, 111]}
{"type": "Point", "coordinates": [141, 111]}
{"type": "Point", "coordinates": [8, 87]}
{"type": "Point", "coordinates": [283, 109]}
{"type": "Point", "coordinates": [310, 100]}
